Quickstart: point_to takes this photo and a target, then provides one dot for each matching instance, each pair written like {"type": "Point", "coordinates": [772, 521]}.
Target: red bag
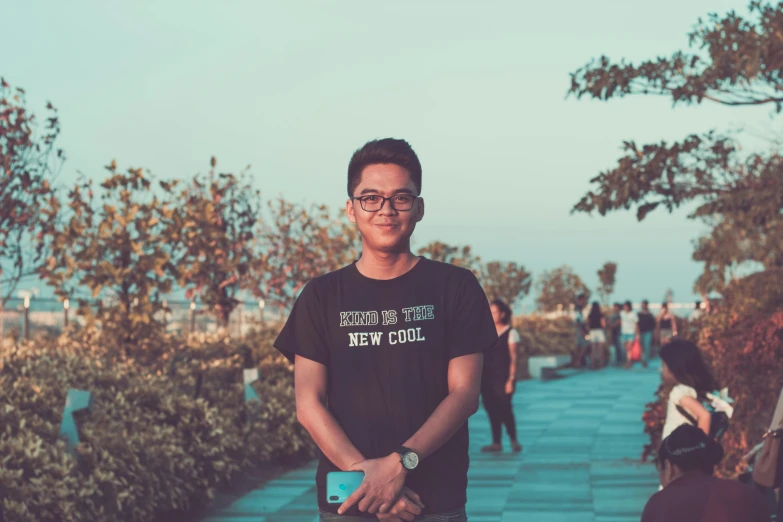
{"type": "Point", "coordinates": [636, 350]}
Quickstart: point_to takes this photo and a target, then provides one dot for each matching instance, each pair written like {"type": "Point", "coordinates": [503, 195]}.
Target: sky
{"type": "Point", "coordinates": [293, 88]}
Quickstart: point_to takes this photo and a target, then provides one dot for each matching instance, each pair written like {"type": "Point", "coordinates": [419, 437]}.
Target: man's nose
{"type": "Point", "coordinates": [386, 208]}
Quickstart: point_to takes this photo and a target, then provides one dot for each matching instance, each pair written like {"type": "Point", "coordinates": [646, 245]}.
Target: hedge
{"type": "Point", "coordinates": [155, 441]}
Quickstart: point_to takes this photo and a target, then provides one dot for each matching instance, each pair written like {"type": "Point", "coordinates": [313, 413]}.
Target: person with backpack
{"type": "Point", "coordinates": [693, 400]}
{"type": "Point", "coordinates": [690, 493]}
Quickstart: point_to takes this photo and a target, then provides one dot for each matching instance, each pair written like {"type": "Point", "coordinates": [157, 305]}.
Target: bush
{"type": "Point", "coordinates": [743, 343]}
{"type": "Point", "coordinates": [542, 336]}
{"type": "Point", "coordinates": [161, 436]}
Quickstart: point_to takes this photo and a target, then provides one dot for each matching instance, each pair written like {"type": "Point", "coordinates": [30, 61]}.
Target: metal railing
{"type": "Point", "coordinates": [23, 318]}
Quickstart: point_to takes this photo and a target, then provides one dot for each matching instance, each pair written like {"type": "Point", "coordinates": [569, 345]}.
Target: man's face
{"type": "Point", "coordinates": [616, 308]}
{"type": "Point", "coordinates": [645, 307]}
{"type": "Point", "coordinates": [387, 230]}
{"type": "Point", "coordinates": [497, 315]}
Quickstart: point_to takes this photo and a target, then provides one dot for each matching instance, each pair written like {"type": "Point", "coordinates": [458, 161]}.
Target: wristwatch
{"type": "Point", "coordinates": [408, 458]}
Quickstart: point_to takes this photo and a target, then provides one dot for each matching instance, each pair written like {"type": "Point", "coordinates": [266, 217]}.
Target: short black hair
{"type": "Point", "coordinates": [690, 449]}
{"type": "Point", "coordinates": [645, 302]}
{"type": "Point", "coordinates": [504, 309]}
{"type": "Point", "coordinates": [384, 151]}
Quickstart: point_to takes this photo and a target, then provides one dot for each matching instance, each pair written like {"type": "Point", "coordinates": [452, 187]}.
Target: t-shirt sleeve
{"type": "Point", "coordinates": [304, 333]}
{"type": "Point", "coordinates": [472, 329]}
{"type": "Point", "coordinates": [648, 515]}
{"type": "Point", "coordinates": [513, 337]}
{"type": "Point", "coordinates": [680, 391]}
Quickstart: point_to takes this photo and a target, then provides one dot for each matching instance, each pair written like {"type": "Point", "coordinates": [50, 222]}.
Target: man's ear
{"type": "Point", "coordinates": [420, 211]}
{"type": "Point", "coordinates": [349, 211]}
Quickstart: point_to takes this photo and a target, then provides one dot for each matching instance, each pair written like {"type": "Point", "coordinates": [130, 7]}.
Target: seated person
{"type": "Point", "coordinates": [686, 460]}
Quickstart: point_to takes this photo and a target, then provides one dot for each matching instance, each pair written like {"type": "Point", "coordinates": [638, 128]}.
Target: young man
{"type": "Point", "coordinates": [646, 330]}
{"type": "Point", "coordinates": [388, 355]}
{"type": "Point", "coordinates": [614, 328]}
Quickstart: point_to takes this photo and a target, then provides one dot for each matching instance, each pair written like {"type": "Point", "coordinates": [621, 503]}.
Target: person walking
{"type": "Point", "coordinates": [667, 324]}
{"type": "Point", "coordinates": [581, 332]}
{"type": "Point", "coordinates": [614, 325]}
{"type": "Point", "coordinates": [388, 354]}
{"type": "Point", "coordinates": [499, 377]}
{"type": "Point", "coordinates": [629, 330]}
{"type": "Point", "coordinates": [646, 331]}
{"type": "Point", "coordinates": [686, 463]}
{"type": "Point", "coordinates": [596, 324]}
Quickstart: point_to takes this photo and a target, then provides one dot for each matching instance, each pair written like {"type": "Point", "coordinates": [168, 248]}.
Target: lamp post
{"type": "Point", "coordinates": [261, 305]}
{"type": "Point", "coordinates": [66, 306]}
{"type": "Point", "coordinates": [192, 316]}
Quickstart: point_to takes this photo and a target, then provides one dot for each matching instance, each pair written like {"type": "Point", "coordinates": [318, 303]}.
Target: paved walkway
{"type": "Point", "coordinates": [582, 439]}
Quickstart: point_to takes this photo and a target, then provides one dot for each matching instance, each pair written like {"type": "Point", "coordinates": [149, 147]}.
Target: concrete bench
{"type": "Point", "coordinates": [543, 365]}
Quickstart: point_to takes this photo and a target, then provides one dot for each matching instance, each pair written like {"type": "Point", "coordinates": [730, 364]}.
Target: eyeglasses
{"type": "Point", "coordinates": [374, 203]}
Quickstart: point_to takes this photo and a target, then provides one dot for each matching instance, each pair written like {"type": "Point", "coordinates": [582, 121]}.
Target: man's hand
{"type": "Point", "coordinates": [509, 387]}
{"type": "Point", "coordinates": [383, 481]}
{"type": "Point", "coordinates": [405, 509]}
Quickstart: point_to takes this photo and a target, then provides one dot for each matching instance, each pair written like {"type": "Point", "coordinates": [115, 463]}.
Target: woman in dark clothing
{"type": "Point", "coordinates": [667, 325]}
{"type": "Point", "coordinates": [597, 325]}
{"type": "Point", "coordinates": [686, 460]}
{"type": "Point", "coordinates": [498, 379]}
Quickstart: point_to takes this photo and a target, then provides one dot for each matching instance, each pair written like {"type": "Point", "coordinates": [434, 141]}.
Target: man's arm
{"type": "Point", "coordinates": [464, 380]}
{"type": "Point", "coordinates": [385, 477]}
{"type": "Point", "coordinates": [310, 381]}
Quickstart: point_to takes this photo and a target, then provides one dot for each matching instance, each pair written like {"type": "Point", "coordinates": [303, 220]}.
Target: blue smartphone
{"type": "Point", "coordinates": [340, 485]}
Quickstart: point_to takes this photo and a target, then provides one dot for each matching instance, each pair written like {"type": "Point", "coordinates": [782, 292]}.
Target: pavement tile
{"type": "Point", "coordinates": [582, 439]}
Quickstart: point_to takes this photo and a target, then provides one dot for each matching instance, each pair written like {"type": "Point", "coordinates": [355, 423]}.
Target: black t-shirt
{"type": "Point", "coordinates": [497, 362]}
{"type": "Point", "coordinates": [387, 346]}
{"type": "Point", "coordinates": [646, 322]}
{"type": "Point", "coordinates": [594, 321]}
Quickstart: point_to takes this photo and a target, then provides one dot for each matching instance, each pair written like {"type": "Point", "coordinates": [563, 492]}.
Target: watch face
{"type": "Point", "coordinates": [410, 460]}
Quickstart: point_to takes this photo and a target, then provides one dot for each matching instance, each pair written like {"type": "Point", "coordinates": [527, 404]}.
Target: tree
{"type": "Point", "coordinates": [740, 65]}
{"type": "Point", "coordinates": [116, 246]}
{"type": "Point", "coordinates": [507, 281]}
{"type": "Point", "coordinates": [606, 278]}
{"type": "Point", "coordinates": [28, 162]}
{"type": "Point", "coordinates": [459, 256]}
{"type": "Point", "coordinates": [213, 234]}
{"type": "Point", "coordinates": [302, 243]}
{"type": "Point", "coordinates": [559, 288]}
